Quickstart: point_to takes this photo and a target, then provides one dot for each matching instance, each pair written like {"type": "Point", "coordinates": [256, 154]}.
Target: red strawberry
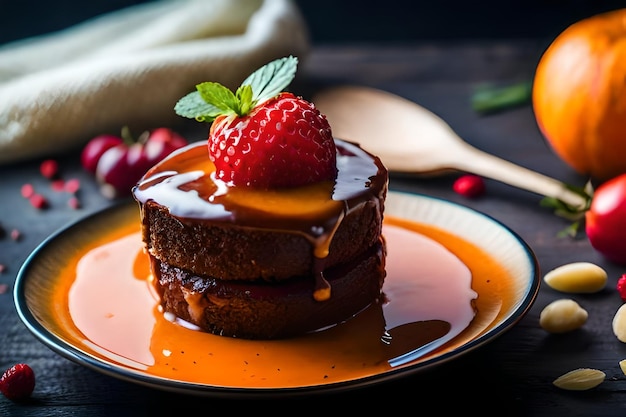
{"type": "Point", "coordinates": [283, 142]}
{"type": "Point", "coordinates": [262, 137]}
{"type": "Point", "coordinates": [17, 382]}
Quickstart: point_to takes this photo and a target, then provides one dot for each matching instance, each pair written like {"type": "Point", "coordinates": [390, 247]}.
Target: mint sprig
{"type": "Point", "coordinates": [212, 99]}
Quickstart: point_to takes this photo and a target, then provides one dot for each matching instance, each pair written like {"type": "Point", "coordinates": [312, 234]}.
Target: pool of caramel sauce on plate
{"type": "Point", "coordinates": [110, 310]}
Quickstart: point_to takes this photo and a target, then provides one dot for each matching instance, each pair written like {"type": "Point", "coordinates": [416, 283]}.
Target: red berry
{"type": "Point", "coordinates": [27, 190]}
{"type": "Point", "coordinates": [72, 185]}
{"type": "Point", "coordinates": [73, 202]}
{"type": "Point", "coordinates": [469, 185]}
{"type": "Point", "coordinates": [95, 148]}
{"type": "Point", "coordinates": [283, 142]}
{"type": "Point", "coordinates": [621, 287]}
{"type": "Point", "coordinates": [58, 185]}
{"type": "Point", "coordinates": [18, 382]}
{"type": "Point", "coordinates": [38, 201]}
{"type": "Point", "coordinates": [121, 166]}
{"type": "Point", "coordinates": [49, 168]}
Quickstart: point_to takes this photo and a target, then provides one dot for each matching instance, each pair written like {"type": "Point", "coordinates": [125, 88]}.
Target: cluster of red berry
{"type": "Point", "coordinates": [118, 162]}
{"type": "Point", "coordinates": [18, 382]}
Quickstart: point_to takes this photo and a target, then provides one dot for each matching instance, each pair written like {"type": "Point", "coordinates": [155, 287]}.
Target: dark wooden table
{"type": "Point", "coordinates": [510, 376]}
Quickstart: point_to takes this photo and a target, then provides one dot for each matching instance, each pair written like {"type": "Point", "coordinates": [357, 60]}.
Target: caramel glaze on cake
{"type": "Point", "coordinates": [264, 264]}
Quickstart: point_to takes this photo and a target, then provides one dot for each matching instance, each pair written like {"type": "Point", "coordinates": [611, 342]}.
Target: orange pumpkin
{"type": "Point", "coordinates": [579, 95]}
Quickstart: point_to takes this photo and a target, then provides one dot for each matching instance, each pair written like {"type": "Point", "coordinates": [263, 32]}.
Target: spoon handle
{"type": "Point", "coordinates": [490, 166]}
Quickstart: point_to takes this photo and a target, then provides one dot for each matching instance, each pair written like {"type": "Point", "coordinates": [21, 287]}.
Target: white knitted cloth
{"type": "Point", "coordinates": [129, 67]}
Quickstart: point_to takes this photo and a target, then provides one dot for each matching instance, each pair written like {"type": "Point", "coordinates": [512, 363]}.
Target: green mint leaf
{"type": "Point", "coordinates": [219, 96]}
{"type": "Point", "coordinates": [193, 106]}
{"type": "Point", "coordinates": [244, 96]}
{"type": "Point", "coordinates": [272, 78]}
{"type": "Point", "coordinates": [212, 99]}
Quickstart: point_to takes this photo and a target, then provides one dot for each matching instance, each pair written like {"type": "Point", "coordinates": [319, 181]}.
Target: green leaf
{"type": "Point", "coordinates": [212, 99]}
{"type": "Point", "coordinates": [272, 78]}
{"type": "Point", "coordinates": [193, 106]}
{"type": "Point", "coordinates": [244, 96]}
{"type": "Point", "coordinates": [219, 96]}
{"type": "Point", "coordinates": [493, 99]}
{"type": "Point", "coordinates": [570, 231]}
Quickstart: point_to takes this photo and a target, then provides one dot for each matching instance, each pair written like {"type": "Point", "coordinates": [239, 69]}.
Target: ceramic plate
{"type": "Point", "coordinates": [252, 368]}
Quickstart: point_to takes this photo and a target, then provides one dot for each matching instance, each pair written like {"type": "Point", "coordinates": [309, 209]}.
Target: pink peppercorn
{"type": "Point", "coordinates": [72, 185]}
{"type": "Point", "coordinates": [38, 201]}
{"type": "Point", "coordinates": [27, 190]}
{"type": "Point", "coordinates": [73, 202]}
{"type": "Point", "coordinates": [469, 185]}
{"type": "Point", "coordinates": [621, 287]}
{"type": "Point", "coordinates": [49, 168]}
{"type": "Point", "coordinates": [58, 185]}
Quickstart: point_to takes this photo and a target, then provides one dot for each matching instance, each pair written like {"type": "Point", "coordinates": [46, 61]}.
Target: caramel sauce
{"type": "Point", "coordinates": [441, 292]}
{"type": "Point", "coordinates": [185, 184]}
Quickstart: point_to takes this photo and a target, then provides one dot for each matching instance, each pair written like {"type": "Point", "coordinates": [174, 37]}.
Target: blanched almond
{"type": "Point", "coordinates": [619, 323]}
{"type": "Point", "coordinates": [577, 277]}
{"type": "Point", "coordinates": [580, 379]}
{"type": "Point", "coordinates": [622, 365]}
{"type": "Point", "coordinates": [562, 316]}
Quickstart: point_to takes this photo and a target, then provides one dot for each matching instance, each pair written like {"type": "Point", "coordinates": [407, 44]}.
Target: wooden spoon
{"type": "Point", "coordinates": [410, 139]}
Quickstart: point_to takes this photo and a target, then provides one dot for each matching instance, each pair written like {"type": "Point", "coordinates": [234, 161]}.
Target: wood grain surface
{"type": "Point", "coordinates": [511, 376]}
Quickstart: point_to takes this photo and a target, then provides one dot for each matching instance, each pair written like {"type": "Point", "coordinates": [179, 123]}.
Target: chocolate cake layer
{"type": "Point", "coordinates": [234, 252]}
{"type": "Point", "coordinates": [262, 310]}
